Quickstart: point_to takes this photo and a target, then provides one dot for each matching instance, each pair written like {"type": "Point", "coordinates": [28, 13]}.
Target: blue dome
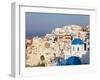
{"type": "Point", "coordinates": [73, 61]}
{"type": "Point", "coordinates": [77, 41]}
{"type": "Point", "coordinates": [61, 61]}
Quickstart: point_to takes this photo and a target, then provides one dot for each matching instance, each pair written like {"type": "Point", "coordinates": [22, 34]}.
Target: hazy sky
{"type": "Point", "coordinates": [38, 24]}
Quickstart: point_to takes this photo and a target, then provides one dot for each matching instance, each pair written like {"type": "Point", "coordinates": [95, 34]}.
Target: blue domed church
{"type": "Point", "coordinates": [77, 48]}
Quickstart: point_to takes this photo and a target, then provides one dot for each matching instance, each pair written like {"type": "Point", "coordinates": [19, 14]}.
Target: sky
{"type": "Point", "coordinates": [38, 24]}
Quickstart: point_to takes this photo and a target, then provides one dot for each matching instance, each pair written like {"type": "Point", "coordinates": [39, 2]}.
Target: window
{"type": "Point", "coordinates": [78, 49]}
{"type": "Point", "coordinates": [73, 48]}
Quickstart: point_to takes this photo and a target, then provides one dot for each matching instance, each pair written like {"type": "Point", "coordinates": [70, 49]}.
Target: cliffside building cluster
{"type": "Point", "coordinates": [57, 47]}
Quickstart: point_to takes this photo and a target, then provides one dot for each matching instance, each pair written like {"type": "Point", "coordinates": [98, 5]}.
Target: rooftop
{"type": "Point", "coordinates": [77, 41]}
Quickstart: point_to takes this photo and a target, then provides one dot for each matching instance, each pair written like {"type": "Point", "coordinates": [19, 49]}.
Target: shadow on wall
{"type": "Point", "coordinates": [86, 58]}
